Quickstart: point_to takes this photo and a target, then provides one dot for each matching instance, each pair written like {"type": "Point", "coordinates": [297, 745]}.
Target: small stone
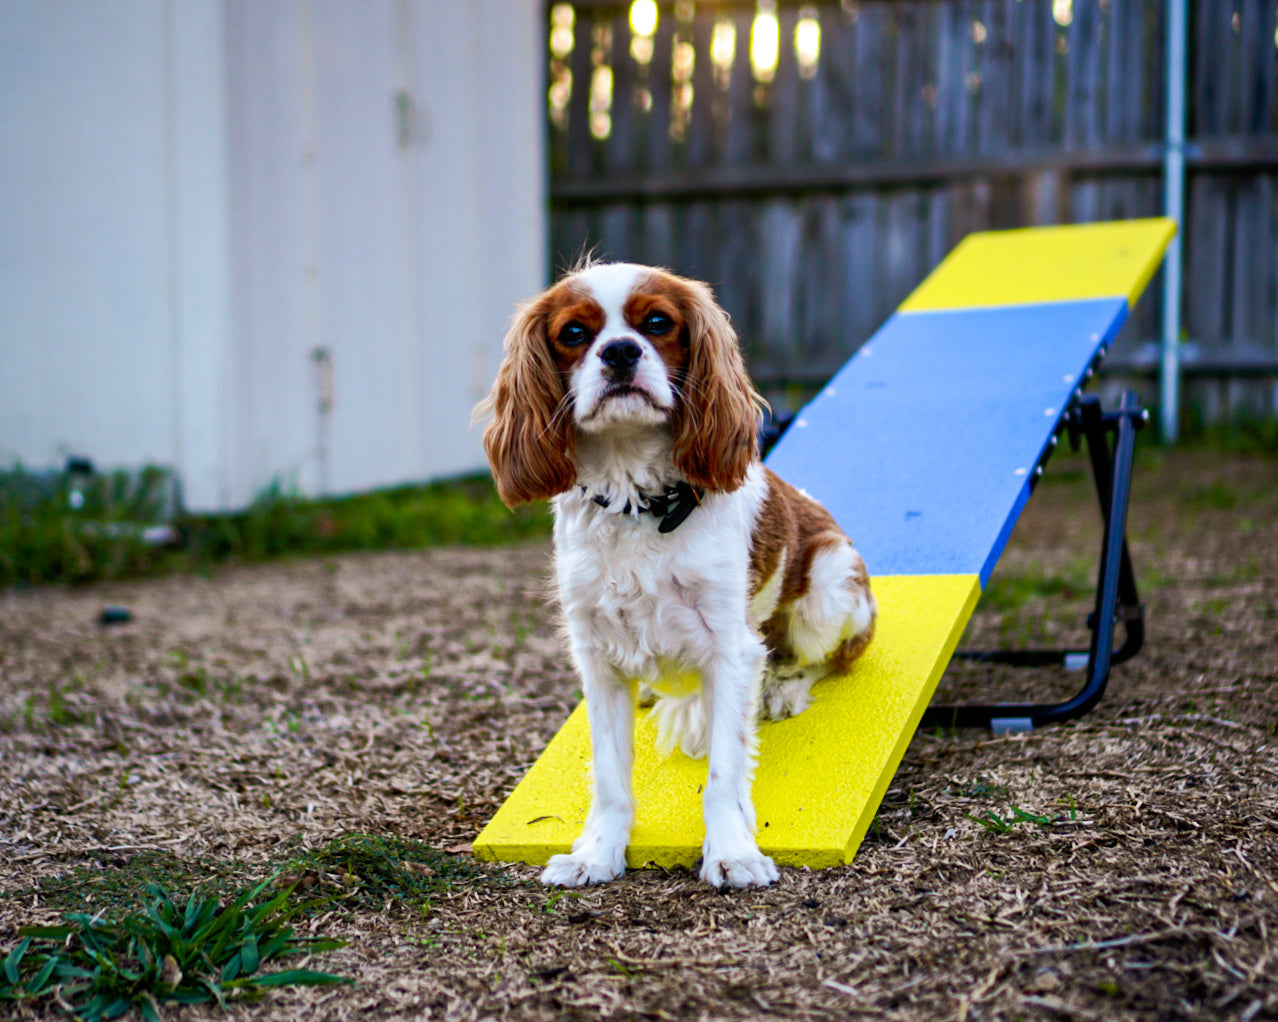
{"type": "Point", "coordinates": [1044, 983]}
{"type": "Point", "coordinates": [115, 615]}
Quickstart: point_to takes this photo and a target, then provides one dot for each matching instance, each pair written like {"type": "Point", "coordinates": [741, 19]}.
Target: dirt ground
{"type": "Point", "coordinates": [266, 709]}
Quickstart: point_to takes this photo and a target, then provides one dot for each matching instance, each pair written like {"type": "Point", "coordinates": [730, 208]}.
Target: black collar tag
{"type": "Point", "coordinates": [672, 506]}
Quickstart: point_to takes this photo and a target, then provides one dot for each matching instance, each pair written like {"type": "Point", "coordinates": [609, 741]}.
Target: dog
{"type": "Point", "coordinates": [623, 397]}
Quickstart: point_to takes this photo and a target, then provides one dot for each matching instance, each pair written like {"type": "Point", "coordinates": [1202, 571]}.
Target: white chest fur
{"type": "Point", "coordinates": [645, 601]}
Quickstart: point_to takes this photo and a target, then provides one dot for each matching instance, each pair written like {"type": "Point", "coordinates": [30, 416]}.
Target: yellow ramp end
{"type": "Point", "coordinates": [1046, 264]}
{"type": "Point", "coordinates": [821, 774]}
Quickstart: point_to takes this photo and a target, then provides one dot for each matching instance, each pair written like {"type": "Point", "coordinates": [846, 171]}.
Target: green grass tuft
{"type": "Point", "coordinates": [997, 824]}
{"type": "Point", "coordinates": [1009, 591]}
{"type": "Point", "coordinates": [373, 869]}
{"type": "Point", "coordinates": [364, 869]}
{"type": "Point", "coordinates": [127, 944]}
{"type": "Point", "coordinates": [461, 511]}
{"type": "Point", "coordinates": [121, 886]}
{"type": "Point", "coordinates": [184, 951]}
{"type": "Point", "coordinates": [55, 530]}
{"type": "Point", "coordinates": [1241, 433]}
{"type": "Point", "coordinates": [75, 529]}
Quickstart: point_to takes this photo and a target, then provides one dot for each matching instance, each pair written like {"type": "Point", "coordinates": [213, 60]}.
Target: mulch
{"type": "Point", "coordinates": [1121, 866]}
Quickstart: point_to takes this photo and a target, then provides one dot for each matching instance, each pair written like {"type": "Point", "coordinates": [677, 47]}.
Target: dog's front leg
{"type": "Point", "coordinates": [730, 856]}
{"type": "Point", "coordinates": [599, 854]}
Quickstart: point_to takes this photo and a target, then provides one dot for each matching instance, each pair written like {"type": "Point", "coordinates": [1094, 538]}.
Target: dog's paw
{"type": "Point", "coordinates": [788, 699]}
{"type": "Point", "coordinates": [753, 869]}
{"type": "Point", "coordinates": [579, 870]}
{"type": "Point", "coordinates": [788, 692]}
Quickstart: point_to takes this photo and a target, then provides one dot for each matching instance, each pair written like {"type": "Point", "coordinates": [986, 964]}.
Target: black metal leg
{"type": "Point", "coordinates": [1107, 473]}
{"type": "Point", "coordinates": [1117, 600]}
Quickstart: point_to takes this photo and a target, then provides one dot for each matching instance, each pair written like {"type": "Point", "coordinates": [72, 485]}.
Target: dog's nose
{"type": "Point", "coordinates": [620, 355]}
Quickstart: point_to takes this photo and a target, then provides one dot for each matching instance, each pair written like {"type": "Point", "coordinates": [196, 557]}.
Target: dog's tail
{"type": "Point", "coordinates": [681, 724]}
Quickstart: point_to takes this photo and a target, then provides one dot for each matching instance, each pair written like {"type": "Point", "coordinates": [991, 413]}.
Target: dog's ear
{"type": "Point", "coordinates": [529, 441]}
{"type": "Point", "coordinates": [717, 419]}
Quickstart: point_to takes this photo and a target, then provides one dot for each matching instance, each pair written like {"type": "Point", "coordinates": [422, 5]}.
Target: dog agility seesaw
{"type": "Point", "coordinates": [926, 447]}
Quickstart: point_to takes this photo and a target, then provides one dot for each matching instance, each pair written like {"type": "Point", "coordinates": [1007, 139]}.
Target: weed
{"type": "Point", "coordinates": [997, 824]}
{"type": "Point", "coordinates": [376, 869]}
{"type": "Point", "coordinates": [200, 952]}
{"type": "Point", "coordinates": [1215, 606]}
{"type": "Point", "coordinates": [117, 958]}
{"type": "Point", "coordinates": [552, 902]}
{"type": "Point", "coordinates": [196, 681]}
{"type": "Point", "coordinates": [56, 711]}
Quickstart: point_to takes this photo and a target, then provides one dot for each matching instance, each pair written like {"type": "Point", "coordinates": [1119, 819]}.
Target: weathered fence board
{"type": "Point", "coordinates": [815, 193]}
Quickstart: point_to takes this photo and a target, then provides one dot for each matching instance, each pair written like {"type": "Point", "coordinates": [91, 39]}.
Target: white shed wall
{"type": "Point", "coordinates": [197, 196]}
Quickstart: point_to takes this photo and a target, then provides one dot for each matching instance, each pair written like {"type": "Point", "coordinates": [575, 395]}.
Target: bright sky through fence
{"type": "Point", "coordinates": [807, 41]}
{"type": "Point", "coordinates": [723, 45]}
{"type": "Point", "coordinates": [562, 17]}
{"type": "Point", "coordinates": [643, 17]}
{"type": "Point", "coordinates": [765, 41]}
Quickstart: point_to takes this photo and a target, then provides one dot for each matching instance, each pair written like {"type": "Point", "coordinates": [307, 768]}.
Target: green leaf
{"type": "Point", "coordinates": [295, 977]}
{"type": "Point", "coordinates": [102, 968]}
{"type": "Point", "coordinates": [148, 1010]}
{"type": "Point", "coordinates": [252, 893]}
{"type": "Point", "coordinates": [268, 908]}
{"type": "Point", "coordinates": [249, 957]}
{"type": "Point", "coordinates": [117, 1007]}
{"type": "Point", "coordinates": [221, 930]}
{"type": "Point", "coordinates": [190, 995]}
{"type": "Point", "coordinates": [194, 908]}
{"type": "Point", "coordinates": [316, 945]}
{"type": "Point", "coordinates": [276, 945]}
{"type": "Point", "coordinates": [46, 932]}
{"type": "Point", "coordinates": [66, 970]}
{"type": "Point", "coordinates": [205, 919]}
{"type": "Point", "coordinates": [92, 1010]}
{"type": "Point", "coordinates": [14, 960]}
{"type": "Point", "coordinates": [35, 984]}
{"type": "Point", "coordinates": [156, 915]}
{"type": "Point", "coordinates": [215, 989]}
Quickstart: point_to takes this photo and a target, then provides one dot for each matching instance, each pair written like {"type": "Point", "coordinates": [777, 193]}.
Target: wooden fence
{"type": "Point", "coordinates": [815, 161]}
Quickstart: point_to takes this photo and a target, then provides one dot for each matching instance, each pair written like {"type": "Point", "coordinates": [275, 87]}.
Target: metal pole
{"type": "Point", "coordinates": [1174, 207]}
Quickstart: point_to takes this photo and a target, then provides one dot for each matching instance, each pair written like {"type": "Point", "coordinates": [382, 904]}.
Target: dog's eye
{"type": "Point", "coordinates": [656, 324]}
{"type": "Point", "coordinates": [573, 334]}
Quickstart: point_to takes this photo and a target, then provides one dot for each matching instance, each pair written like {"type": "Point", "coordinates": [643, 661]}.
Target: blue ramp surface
{"type": "Point", "coordinates": [924, 445]}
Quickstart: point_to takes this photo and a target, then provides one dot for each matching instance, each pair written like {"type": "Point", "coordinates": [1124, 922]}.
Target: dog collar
{"type": "Point", "coordinates": [671, 506]}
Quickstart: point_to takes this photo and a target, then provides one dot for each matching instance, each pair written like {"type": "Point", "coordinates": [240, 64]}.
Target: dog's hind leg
{"type": "Point", "coordinates": [823, 631]}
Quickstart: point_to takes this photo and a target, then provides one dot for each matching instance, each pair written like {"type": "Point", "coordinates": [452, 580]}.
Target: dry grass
{"type": "Point", "coordinates": [246, 718]}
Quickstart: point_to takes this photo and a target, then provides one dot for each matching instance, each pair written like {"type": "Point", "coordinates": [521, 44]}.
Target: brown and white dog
{"type": "Point", "coordinates": [623, 396]}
